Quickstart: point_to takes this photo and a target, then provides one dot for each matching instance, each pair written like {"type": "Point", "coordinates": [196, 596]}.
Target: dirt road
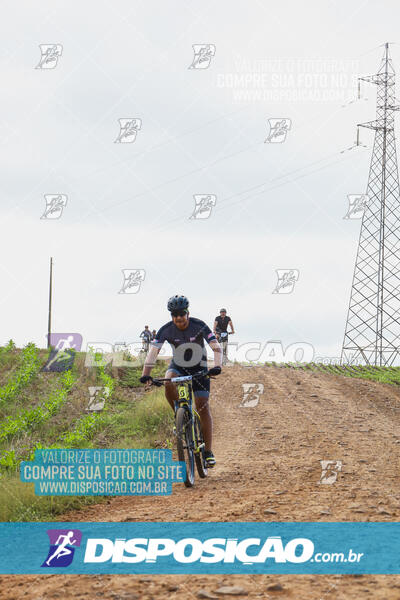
{"type": "Point", "coordinates": [268, 470]}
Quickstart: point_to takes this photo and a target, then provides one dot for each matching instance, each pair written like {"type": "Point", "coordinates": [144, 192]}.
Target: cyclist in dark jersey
{"type": "Point", "coordinates": [221, 323]}
{"type": "Point", "coordinates": [146, 333]}
{"type": "Point", "coordinates": [146, 337]}
{"type": "Point", "coordinates": [187, 335]}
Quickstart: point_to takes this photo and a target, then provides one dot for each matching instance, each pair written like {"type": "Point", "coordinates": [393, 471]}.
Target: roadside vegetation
{"type": "Point", "coordinates": [50, 410]}
{"type": "Point", "coordinates": [381, 374]}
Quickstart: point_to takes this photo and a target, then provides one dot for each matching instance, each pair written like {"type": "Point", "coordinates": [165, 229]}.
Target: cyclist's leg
{"type": "Point", "coordinates": [201, 392]}
{"type": "Point", "coordinates": [203, 408]}
{"type": "Point", "coordinates": [171, 393]}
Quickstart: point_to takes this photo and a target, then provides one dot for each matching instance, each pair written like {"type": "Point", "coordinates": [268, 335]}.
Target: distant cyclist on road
{"type": "Point", "coordinates": [146, 333]}
{"type": "Point", "coordinates": [146, 337]}
{"type": "Point", "coordinates": [153, 335]}
{"type": "Point", "coordinates": [221, 323]}
{"type": "Point", "coordinates": [186, 335]}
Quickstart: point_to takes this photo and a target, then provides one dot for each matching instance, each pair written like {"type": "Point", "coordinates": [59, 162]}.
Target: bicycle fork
{"type": "Point", "coordinates": [185, 401]}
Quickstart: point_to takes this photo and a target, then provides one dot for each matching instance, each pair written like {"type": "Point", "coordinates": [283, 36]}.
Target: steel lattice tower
{"type": "Point", "coordinates": [372, 334]}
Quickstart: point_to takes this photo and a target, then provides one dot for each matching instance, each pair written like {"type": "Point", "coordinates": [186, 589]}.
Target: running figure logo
{"type": "Point", "coordinates": [203, 206]}
{"type": "Point", "coordinates": [97, 401]}
{"type": "Point", "coordinates": [330, 470]}
{"type": "Point", "coordinates": [50, 53]}
{"type": "Point", "coordinates": [357, 205]}
{"type": "Point", "coordinates": [66, 341]}
{"type": "Point", "coordinates": [132, 280]}
{"type": "Point", "coordinates": [61, 551]}
{"type": "Point", "coordinates": [128, 129]}
{"type": "Point", "coordinates": [278, 129]}
{"type": "Point", "coordinates": [286, 281]}
{"type": "Point", "coordinates": [203, 54]}
{"type": "Point", "coordinates": [251, 394]}
{"type": "Point", "coordinates": [62, 357]}
{"type": "Point", "coordinates": [55, 204]}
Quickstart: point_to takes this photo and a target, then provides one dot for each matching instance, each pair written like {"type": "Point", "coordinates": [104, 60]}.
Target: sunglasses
{"type": "Point", "coordinates": [178, 313]}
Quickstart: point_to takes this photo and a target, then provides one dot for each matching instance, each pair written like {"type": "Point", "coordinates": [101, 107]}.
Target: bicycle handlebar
{"type": "Point", "coordinates": [159, 381]}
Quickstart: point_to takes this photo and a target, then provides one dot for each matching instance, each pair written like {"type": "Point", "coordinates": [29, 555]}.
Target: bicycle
{"type": "Point", "coordinates": [223, 340]}
{"type": "Point", "coordinates": [145, 345]}
{"type": "Point", "coordinates": [189, 435]}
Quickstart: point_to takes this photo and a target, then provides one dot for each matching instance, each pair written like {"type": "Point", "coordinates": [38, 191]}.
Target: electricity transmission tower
{"type": "Point", "coordinates": [372, 334]}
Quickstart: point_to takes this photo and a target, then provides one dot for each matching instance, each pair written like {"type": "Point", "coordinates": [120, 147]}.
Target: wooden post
{"type": "Point", "coordinates": [50, 299]}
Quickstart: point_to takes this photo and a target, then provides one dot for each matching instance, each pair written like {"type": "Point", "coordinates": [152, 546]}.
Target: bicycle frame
{"type": "Point", "coordinates": [145, 345]}
{"type": "Point", "coordinates": [190, 436]}
{"type": "Point", "coordinates": [185, 399]}
{"type": "Point", "coordinates": [223, 340]}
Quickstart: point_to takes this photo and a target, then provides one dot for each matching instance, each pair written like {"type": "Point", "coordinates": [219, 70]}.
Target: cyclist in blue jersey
{"type": "Point", "coordinates": [187, 335]}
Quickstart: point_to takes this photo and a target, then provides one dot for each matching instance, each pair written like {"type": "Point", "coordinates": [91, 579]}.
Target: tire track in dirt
{"type": "Point", "coordinates": [268, 469]}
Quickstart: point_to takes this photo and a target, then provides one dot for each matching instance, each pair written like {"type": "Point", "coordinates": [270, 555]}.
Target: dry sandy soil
{"type": "Point", "coordinates": [268, 470]}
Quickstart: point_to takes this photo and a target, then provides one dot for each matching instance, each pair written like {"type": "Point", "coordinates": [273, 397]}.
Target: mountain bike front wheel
{"type": "Point", "coordinates": [184, 443]}
{"type": "Point", "coordinates": [199, 456]}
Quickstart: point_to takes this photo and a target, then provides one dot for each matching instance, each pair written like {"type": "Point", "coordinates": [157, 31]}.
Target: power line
{"type": "Point", "coordinates": [253, 188]}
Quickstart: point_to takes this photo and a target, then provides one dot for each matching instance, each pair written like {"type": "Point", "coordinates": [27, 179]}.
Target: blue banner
{"type": "Point", "coordinates": [208, 548]}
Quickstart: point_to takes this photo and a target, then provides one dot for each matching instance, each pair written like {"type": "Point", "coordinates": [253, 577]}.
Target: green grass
{"type": "Point", "coordinates": [26, 370]}
{"type": "Point", "coordinates": [8, 356]}
{"type": "Point", "coordinates": [131, 376]}
{"type": "Point", "coordinates": [143, 423]}
{"type": "Point", "coordinates": [18, 502]}
{"type": "Point", "coordinates": [389, 375]}
{"type": "Point", "coordinates": [30, 418]}
{"type": "Point", "coordinates": [130, 419]}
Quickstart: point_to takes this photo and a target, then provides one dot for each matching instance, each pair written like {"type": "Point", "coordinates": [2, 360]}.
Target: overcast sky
{"type": "Point", "coordinates": [203, 131]}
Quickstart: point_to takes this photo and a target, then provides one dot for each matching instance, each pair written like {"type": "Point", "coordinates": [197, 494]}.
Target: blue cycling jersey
{"type": "Point", "coordinates": [188, 350]}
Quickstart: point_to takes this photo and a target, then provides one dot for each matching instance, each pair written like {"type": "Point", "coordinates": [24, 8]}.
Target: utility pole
{"type": "Point", "coordinates": [372, 334]}
{"type": "Point", "coordinates": [50, 299]}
